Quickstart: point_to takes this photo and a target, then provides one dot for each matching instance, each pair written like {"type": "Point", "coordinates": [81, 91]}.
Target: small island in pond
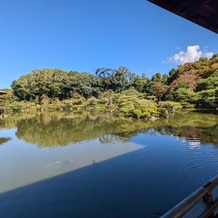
{"type": "Point", "coordinates": [119, 91]}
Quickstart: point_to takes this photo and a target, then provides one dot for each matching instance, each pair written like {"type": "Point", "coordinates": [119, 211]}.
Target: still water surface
{"type": "Point", "coordinates": [102, 166]}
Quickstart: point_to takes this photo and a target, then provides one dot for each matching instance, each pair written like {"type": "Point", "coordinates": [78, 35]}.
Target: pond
{"type": "Point", "coordinates": [88, 165]}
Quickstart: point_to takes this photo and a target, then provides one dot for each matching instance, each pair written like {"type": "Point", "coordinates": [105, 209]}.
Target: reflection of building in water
{"type": "Point", "coordinates": [193, 142]}
{"type": "Point", "coordinates": [181, 139]}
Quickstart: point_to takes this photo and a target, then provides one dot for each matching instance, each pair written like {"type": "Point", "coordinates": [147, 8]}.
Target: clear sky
{"type": "Point", "coordinates": [83, 35]}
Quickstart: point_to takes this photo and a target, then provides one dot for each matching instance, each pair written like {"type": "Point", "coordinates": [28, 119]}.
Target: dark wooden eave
{"type": "Point", "coordinates": [202, 12]}
{"type": "Point", "coordinates": [2, 92]}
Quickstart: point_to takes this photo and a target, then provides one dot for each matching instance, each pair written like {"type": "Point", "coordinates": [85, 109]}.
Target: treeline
{"type": "Point", "coordinates": [192, 85]}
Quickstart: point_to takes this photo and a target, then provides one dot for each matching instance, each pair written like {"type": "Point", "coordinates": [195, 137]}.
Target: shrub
{"type": "Point", "coordinates": [170, 105]}
{"type": "Point", "coordinates": [137, 113]}
{"type": "Point", "coordinates": [163, 112]}
{"type": "Point", "coordinates": [146, 114]}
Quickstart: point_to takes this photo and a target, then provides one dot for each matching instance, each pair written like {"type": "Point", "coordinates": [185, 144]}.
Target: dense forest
{"type": "Point", "coordinates": [190, 85]}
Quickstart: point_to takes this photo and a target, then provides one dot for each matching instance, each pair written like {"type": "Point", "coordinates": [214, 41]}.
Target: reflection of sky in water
{"type": "Point", "coordinates": [120, 176]}
{"type": "Point", "coordinates": [8, 132]}
{"type": "Point", "coordinates": [22, 163]}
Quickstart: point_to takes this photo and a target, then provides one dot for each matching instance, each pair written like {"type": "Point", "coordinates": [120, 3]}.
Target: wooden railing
{"type": "Point", "coordinates": [203, 195]}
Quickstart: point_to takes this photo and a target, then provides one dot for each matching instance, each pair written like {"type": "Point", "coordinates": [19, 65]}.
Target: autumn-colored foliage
{"type": "Point", "coordinates": [187, 80]}
{"type": "Point", "coordinates": [194, 84]}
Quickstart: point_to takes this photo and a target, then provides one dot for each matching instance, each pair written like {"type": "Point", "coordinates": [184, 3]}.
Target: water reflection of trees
{"type": "Point", "coordinates": [62, 129]}
{"type": "Point", "coordinates": [192, 126]}
{"type": "Point", "coordinates": [3, 140]}
{"type": "Point", "coordinates": [46, 130]}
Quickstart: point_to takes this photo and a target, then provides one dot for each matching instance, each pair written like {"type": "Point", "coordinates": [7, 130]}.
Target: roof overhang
{"type": "Point", "coordinates": [202, 12]}
{"type": "Point", "coordinates": [2, 92]}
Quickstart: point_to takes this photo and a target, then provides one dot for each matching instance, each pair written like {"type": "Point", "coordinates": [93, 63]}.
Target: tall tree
{"type": "Point", "coordinates": [115, 79]}
{"type": "Point", "coordinates": [158, 89]}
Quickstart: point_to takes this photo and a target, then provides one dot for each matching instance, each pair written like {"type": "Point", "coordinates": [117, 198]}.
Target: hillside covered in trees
{"type": "Point", "coordinates": [192, 85]}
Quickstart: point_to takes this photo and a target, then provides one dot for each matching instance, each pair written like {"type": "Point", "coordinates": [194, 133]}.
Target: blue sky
{"type": "Point", "coordinates": [84, 35]}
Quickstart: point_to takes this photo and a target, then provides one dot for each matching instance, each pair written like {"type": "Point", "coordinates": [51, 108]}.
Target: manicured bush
{"type": "Point", "coordinates": [163, 112]}
{"type": "Point", "coordinates": [137, 113]}
{"type": "Point", "coordinates": [170, 105]}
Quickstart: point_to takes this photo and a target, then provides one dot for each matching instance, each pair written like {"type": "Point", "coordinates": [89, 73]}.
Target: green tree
{"type": "Point", "coordinates": [209, 83]}
{"type": "Point", "coordinates": [156, 77]}
{"type": "Point", "coordinates": [139, 83]}
{"type": "Point", "coordinates": [184, 95]}
{"type": "Point", "coordinates": [115, 79]}
{"type": "Point", "coordinates": [208, 98]}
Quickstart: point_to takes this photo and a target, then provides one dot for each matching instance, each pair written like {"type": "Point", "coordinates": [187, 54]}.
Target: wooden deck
{"type": "Point", "coordinates": [202, 203]}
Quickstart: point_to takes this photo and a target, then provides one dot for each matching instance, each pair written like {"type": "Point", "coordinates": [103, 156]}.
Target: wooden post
{"type": "Point", "coordinates": [208, 197]}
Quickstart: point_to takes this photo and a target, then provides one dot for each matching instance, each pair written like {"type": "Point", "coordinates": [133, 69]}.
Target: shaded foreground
{"type": "Point", "coordinates": [108, 189]}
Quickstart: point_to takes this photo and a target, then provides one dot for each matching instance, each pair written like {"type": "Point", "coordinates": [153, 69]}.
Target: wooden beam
{"type": "Point", "coordinates": [201, 12]}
